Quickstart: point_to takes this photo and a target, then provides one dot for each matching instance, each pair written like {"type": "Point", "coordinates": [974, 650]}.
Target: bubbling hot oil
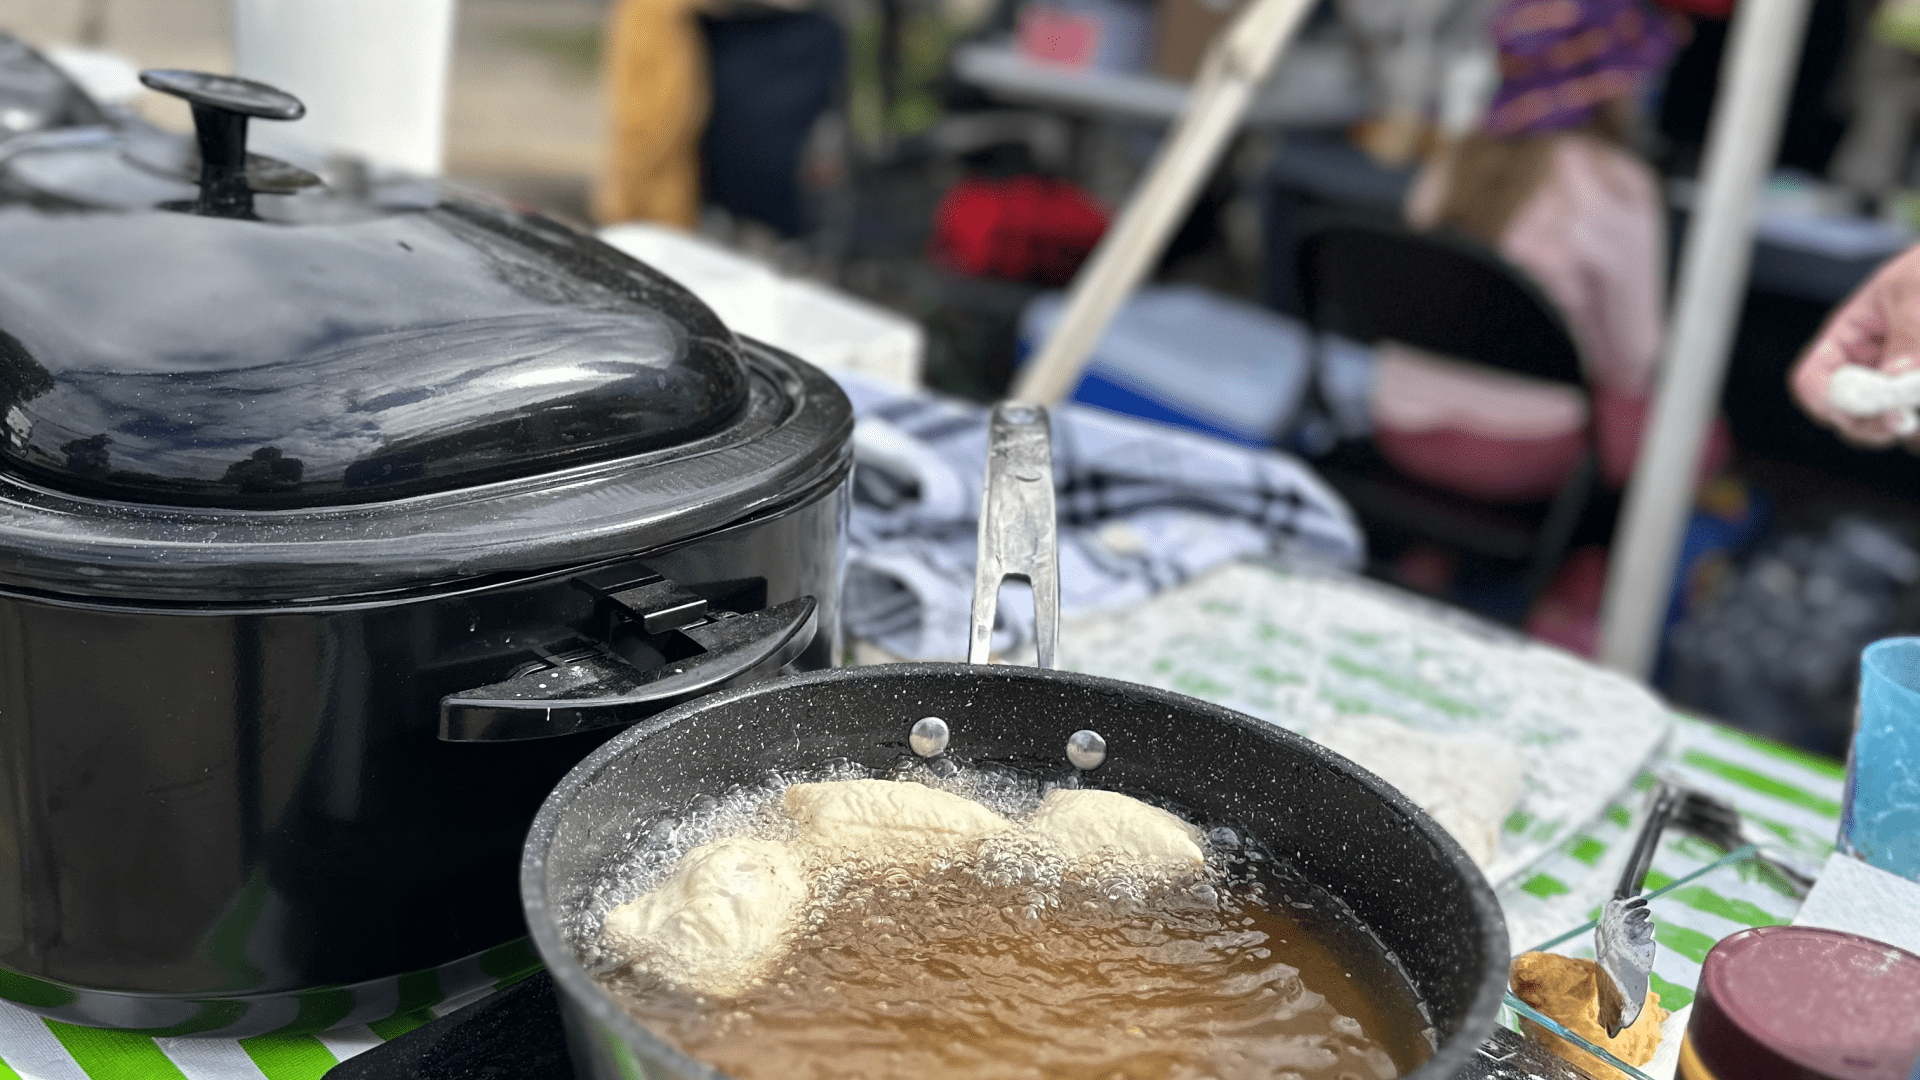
{"type": "Point", "coordinates": [1005, 963]}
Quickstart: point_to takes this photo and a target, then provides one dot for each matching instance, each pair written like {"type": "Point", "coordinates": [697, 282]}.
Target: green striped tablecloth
{"type": "Point", "coordinates": [1787, 795]}
{"type": "Point", "coordinates": [37, 1049]}
{"type": "Point", "coordinates": [1790, 795]}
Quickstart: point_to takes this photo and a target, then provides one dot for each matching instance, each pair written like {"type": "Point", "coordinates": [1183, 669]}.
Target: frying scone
{"type": "Point", "coordinates": [716, 924]}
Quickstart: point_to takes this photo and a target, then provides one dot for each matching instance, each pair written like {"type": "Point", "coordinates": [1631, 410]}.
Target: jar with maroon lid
{"type": "Point", "coordinates": [1801, 1003]}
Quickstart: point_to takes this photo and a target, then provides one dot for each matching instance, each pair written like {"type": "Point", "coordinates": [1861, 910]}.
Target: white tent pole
{"type": "Point", "coordinates": [1232, 70]}
{"type": "Point", "coordinates": [1762, 55]}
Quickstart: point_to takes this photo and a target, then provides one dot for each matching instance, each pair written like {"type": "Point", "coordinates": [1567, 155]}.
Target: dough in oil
{"type": "Point", "coordinates": [898, 817]}
{"type": "Point", "coordinates": [1085, 824]}
{"type": "Point", "coordinates": [719, 921]}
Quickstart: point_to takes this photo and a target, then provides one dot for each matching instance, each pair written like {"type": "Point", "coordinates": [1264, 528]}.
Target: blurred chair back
{"type": "Point", "coordinates": [1439, 292]}
{"type": "Point", "coordinates": [1374, 281]}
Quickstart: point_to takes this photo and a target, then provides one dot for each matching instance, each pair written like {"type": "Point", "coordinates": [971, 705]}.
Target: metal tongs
{"type": "Point", "coordinates": [1017, 538]}
{"type": "Point", "coordinates": [1624, 939]}
{"type": "Point", "coordinates": [1719, 823]}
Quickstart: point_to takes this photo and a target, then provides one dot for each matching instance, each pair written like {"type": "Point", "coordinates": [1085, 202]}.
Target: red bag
{"type": "Point", "coordinates": [1022, 228]}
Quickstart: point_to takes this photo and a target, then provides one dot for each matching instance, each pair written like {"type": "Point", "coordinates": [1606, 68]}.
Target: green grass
{"type": "Point", "coordinates": [925, 40]}
{"type": "Point", "coordinates": [573, 52]}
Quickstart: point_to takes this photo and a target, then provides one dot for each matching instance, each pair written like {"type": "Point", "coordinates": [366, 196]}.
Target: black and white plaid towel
{"type": "Point", "coordinates": [1142, 506]}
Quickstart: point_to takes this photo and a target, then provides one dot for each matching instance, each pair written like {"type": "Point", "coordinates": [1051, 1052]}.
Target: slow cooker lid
{"type": "Point", "coordinates": [215, 344]}
{"type": "Point", "coordinates": [790, 448]}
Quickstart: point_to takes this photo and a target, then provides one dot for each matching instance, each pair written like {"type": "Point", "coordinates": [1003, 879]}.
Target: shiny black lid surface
{"type": "Point", "coordinates": [791, 446]}
{"type": "Point", "coordinates": [224, 383]}
{"type": "Point", "coordinates": [322, 349]}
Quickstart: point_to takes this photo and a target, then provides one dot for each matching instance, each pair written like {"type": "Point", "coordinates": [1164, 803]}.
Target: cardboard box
{"type": "Point", "coordinates": [1184, 29]}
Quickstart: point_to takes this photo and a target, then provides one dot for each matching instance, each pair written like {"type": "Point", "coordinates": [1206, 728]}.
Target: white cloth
{"type": "Point", "coordinates": [1141, 506]}
{"type": "Point", "coordinates": [1863, 899]}
{"type": "Point", "coordinates": [826, 327]}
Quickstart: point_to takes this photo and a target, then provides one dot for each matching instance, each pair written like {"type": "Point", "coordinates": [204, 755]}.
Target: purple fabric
{"type": "Point", "coordinates": [1561, 60]}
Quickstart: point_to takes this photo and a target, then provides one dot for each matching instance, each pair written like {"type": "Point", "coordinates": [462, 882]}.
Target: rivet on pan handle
{"type": "Point", "coordinates": [1017, 527]}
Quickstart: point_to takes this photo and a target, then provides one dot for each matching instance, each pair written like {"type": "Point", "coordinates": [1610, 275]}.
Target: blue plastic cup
{"type": "Point", "coordinates": [1880, 821]}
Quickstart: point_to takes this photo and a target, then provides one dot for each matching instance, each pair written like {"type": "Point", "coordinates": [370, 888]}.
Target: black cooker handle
{"type": "Point", "coordinates": [221, 106]}
{"type": "Point", "coordinates": [597, 689]}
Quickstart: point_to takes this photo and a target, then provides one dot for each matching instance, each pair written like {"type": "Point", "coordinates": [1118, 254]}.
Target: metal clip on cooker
{"type": "Point", "coordinates": [335, 527]}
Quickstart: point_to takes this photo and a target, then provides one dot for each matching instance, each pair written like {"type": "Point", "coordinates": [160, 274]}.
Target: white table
{"type": "Point", "coordinates": [1316, 84]}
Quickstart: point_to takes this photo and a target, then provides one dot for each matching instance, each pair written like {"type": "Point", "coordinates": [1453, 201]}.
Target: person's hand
{"type": "Point", "coordinates": [1878, 327]}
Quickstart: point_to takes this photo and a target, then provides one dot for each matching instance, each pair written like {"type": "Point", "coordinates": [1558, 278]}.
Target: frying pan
{"type": "Point", "coordinates": [1332, 822]}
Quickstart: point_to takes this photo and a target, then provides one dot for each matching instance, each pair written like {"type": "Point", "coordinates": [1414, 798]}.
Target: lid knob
{"type": "Point", "coordinates": [221, 106]}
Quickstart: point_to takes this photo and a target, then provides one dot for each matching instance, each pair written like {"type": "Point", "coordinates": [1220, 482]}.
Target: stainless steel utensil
{"type": "Point", "coordinates": [1017, 527]}
{"type": "Point", "coordinates": [1624, 939]}
{"type": "Point", "coordinates": [1718, 823]}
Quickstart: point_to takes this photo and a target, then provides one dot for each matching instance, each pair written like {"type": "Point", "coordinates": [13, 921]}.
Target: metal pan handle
{"type": "Point", "coordinates": [1017, 536]}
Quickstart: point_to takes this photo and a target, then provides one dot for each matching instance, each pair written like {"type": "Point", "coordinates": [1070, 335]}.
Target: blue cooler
{"type": "Point", "coordinates": [1181, 355]}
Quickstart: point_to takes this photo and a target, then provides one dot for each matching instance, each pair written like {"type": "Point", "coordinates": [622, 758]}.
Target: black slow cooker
{"type": "Point", "coordinates": [336, 525]}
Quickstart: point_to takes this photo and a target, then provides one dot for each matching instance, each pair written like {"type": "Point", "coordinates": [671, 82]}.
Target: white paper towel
{"type": "Point", "coordinates": [1865, 900]}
